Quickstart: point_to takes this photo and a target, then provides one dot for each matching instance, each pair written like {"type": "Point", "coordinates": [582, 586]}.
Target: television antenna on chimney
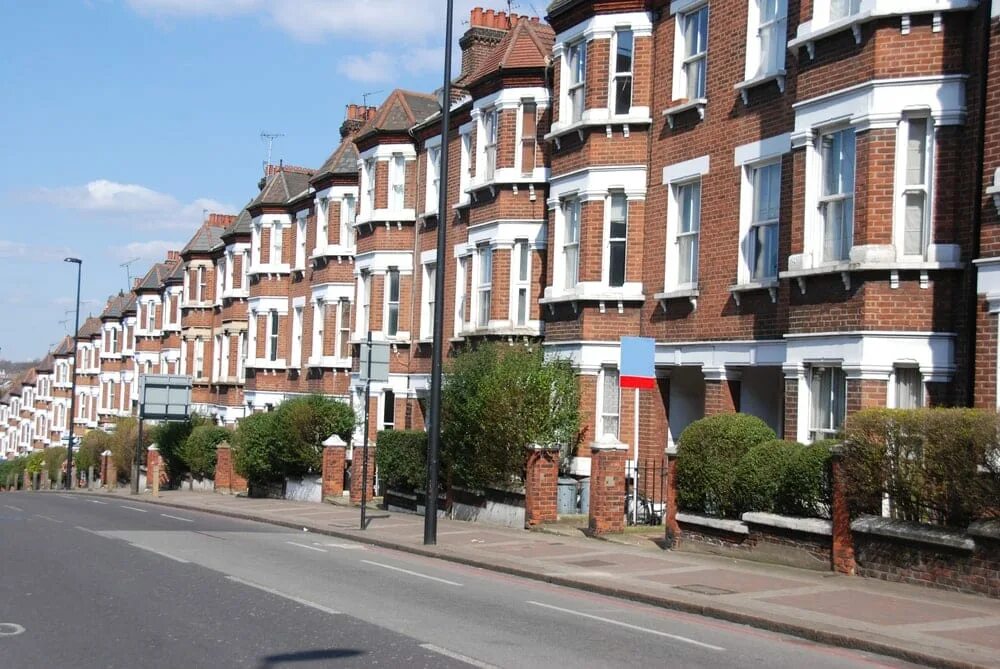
{"type": "Point", "coordinates": [365, 96]}
{"type": "Point", "coordinates": [128, 274]}
{"type": "Point", "coordinates": [269, 137]}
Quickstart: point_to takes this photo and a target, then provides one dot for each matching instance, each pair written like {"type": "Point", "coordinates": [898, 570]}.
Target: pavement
{"type": "Point", "coordinates": [915, 624]}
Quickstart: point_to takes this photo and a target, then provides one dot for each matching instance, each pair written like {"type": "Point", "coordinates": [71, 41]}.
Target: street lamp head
{"type": "Point", "coordinates": [74, 260]}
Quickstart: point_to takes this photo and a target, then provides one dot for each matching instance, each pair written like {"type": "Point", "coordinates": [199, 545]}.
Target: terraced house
{"type": "Point", "coordinates": [798, 200]}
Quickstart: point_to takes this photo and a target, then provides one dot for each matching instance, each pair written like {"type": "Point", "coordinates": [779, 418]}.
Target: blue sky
{"type": "Point", "coordinates": [124, 119]}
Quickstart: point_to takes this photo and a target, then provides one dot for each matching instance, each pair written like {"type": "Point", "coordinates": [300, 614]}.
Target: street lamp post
{"type": "Point", "coordinates": [72, 392]}
{"type": "Point", "coordinates": [434, 438]}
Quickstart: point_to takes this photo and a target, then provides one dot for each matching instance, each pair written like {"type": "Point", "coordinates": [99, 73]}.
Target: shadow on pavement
{"type": "Point", "coordinates": [317, 655]}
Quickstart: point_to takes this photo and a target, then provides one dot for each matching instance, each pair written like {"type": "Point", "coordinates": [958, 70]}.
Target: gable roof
{"type": "Point", "coordinates": [282, 186]}
{"type": "Point", "coordinates": [155, 276]}
{"type": "Point", "coordinates": [65, 347]}
{"type": "Point", "coordinates": [90, 328]}
{"type": "Point", "coordinates": [29, 378]}
{"type": "Point", "coordinates": [241, 226]}
{"type": "Point", "coordinates": [207, 238]}
{"type": "Point", "coordinates": [46, 365]}
{"type": "Point", "coordinates": [526, 45]}
{"type": "Point", "coordinates": [400, 112]}
{"type": "Point", "coordinates": [343, 160]}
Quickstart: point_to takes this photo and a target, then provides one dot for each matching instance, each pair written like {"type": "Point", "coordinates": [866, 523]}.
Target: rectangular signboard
{"type": "Point", "coordinates": [165, 397]}
{"type": "Point", "coordinates": [637, 368]}
{"type": "Point", "coordinates": [380, 361]}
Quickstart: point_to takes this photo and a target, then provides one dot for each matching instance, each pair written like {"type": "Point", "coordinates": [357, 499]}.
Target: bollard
{"type": "Point", "coordinates": [90, 477]}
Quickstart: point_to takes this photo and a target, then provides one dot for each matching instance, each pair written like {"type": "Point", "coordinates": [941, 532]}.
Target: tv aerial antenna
{"type": "Point", "coordinates": [128, 273]}
{"type": "Point", "coordinates": [269, 137]}
{"type": "Point", "coordinates": [365, 96]}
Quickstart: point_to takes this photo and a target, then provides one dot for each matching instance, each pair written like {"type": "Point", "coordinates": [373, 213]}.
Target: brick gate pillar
{"type": "Point", "coordinates": [108, 474]}
{"type": "Point", "coordinates": [152, 464]}
{"type": "Point", "coordinates": [223, 468]}
{"type": "Point", "coordinates": [540, 481]}
{"type": "Point", "coordinates": [27, 480]}
{"type": "Point", "coordinates": [842, 544]}
{"type": "Point", "coordinates": [334, 460]}
{"type": "Point", "coordinates": [607, 486]}
{"type": "Point", "coordinates": [356, 477]}
{"type": "Point", "coordinates": [43, 479]}
{"type": "Point", "coordinates": [672, 528]}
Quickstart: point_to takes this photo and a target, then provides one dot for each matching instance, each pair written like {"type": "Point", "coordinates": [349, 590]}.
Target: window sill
{"type": "Point", "coordinates": [328, 361]}
{"type": "Point", "coordinates": [770, 285]}
{"type": "Point", "coordinates": [594, 120]}
{"type": "Point", "coordinates": [332, 251]}
{"type": "Point", "coordinates": [808, 37]}
{"type": "Point", "coordinates": [387, 216]}
{"type": "Point", "coordinates": [690, 293]}
{"type": "Point", "coordinates": [846, 268]}
{"type": "Point", "coordinates": [499, 330]}
{"type": "Point", "coordinates": [281, 268]}
{"type": "Point", "coordinates": [685, 106]}
{"type": "Point", "coordinates": [602, 295]}
{"type": "Point", "coordinates": [745, 86]}
{"type": "Point", "coordinates": [276, 365]}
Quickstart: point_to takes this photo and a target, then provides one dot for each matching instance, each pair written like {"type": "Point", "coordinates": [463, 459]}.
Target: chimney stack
{"type": "Point", "coordinates": [486, 28]}
{"type": "Point", "coordinates": [173, 256]}
{"type": "Point", "coordinates": [355, 119]}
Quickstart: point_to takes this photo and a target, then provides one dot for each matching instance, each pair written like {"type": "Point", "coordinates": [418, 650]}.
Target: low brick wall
{"type": "Point", "coordinates": [797, 542]}
{"type": "Point", "coordinates": [962, 561]}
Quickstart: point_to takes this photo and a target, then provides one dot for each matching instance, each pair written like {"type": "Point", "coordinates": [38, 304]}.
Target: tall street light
{"type": "Point", "coordinates": [72, 392]}
{"type": "Point", "coordinates": [434, 438]}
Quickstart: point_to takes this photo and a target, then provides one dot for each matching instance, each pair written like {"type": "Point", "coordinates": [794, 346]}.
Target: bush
{"type": "Point", "coordinates": [304, 423]}
{"type": "Point", "coordinates": [55, 458]}
{"type": "Point", "coordinates": [170, 437]}
{"type": "Point", "coordinates": [401, 458]}
{"type": "Point", "coordinates": [804, 486]}
{"type": "Point", "coordinates": [123, 440]}
{"type": "Point", "coordinates": [88, 452]}
{"type": "Point", "coordinates": [197, 452]}
{"type": "Point", "coordinates": [256, 449]}
{"type": "Point", "coordinates": [760, 472]}
{"type": "Point", "coordinates": [496, 400]}
{"type": "Point", "coordinates": [708, 453]}
{"type": "Point", "coordinates": [935, 465]}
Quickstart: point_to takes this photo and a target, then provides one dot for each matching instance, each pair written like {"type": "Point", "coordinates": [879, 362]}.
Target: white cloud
{"type": "Point", "coordinates": [10, 250]}
{"type": "Point", "coordinates": [130, 204]}
{"type": "Point", "coordinates": [148, 252]}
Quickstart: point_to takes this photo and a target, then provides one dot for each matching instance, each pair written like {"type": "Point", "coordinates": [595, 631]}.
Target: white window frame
{"type": "Point", "coordinates": [520, 280]}
{"type": "Point", "coordinates": [672, 279]}
{"type": "Point", "coordinates": [392, 275]}
{"type": "Point", "coordinates": [319, 329]}
{"type": "Point", "coordinates": [220, 273]}
{"type": "Point", "coordinates": [824, 201]}
{"type": "Point", "coordinates": [151, 316]}
{"type": "Point", "coordinates": [198, 362]}
{"type": "Point", "coordinates": [900, 374]}
{"type": "Point", "coordinates": [342, 342]}
{"type": "Point", "coordinates": [433, 177]}
{"type": "Point", "coordinates": [847, 8]}
{"type": "Point", "coordinates": [216, 356]}
{"type": "Point", "coordinates": [617, 75]}
{"type": "Point", "coordinates": [245, 271]}
{"type": "Point", "coordinates": [685, 57]}
{"type": "Point", "coordinates": [575, 97]}
{"type": "Point", "coordinates": [300, 239]}
{"type": "Point", "coordinates": [277, 243]}
{"type": "Point", "coordinates": [242, 349]}
{"type": "Point", "coordinates": [370, 166]}
{"type": "Point", "coordinates": [397, 182]}
{"type": "Point", "coordinates": [363, 317]}
{"type": "Point", "coordinates": [273, 334]}
{"type": "Point", "coordinates": [524, 139]}
{"type": "Point", "coordinates": [322, 222]}
{"type": "Point", "coordinates": [348, 215]}
{"type": "Point", "coordinates": [387, 401]}
{"type": "Point", "coordinates": [759, 64]}
{"type": "Point", "coordinates": [484, 285]}
{"type": "Point", "coordinates": [838, 382]}
{"type": "Point", "coordinates": [489, 133]}
{"type": "Point", "coordinates": [609, 240]}
{"type": "Point", "coordinates": [427, 297]}
{"type": "Point", "coordinates": [461, 292]}
{"type": "Point", "coordinates": [224, 357]}
{"type": "Point", "coordinates": [465, 166]}
{"type": "Point", "coordinates": [749, 222]}
{"type": "Point", "coordinates": [604, 412]}
{"type": "Point", "coordinates": [904, 189]}
{"type": "Point", "coordinates": [296, 352]}
{"type": "Point", "coordinates": [572, 213]}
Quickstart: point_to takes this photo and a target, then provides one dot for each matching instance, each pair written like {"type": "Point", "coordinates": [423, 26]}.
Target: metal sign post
{"type": "Point", "coordinates": [637, 370]}
{"type": "Point", "coordinates": [374, 365]}
{"type": "Point", "coordinates": [161, 397]}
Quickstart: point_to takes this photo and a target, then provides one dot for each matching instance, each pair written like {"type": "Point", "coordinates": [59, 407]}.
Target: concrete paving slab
{"type": "Point", "coordinates": [872, 608]}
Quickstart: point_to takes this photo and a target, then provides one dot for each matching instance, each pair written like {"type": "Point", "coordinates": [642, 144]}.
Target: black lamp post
{"type": "Point", "coordinates": [72, 392]}
{"type": "Point", "coordinates": [434, 436]}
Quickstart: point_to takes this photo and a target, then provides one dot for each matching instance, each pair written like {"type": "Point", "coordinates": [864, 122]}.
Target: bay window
{"type": "Point", "coordinates": [348, 215]}
{"type": "Point", "coordinates": [571, 242]}
{"type": "Point", "coordinates": [485, 284]}
{"type": "Point", "coordinates": [392, 302]}
{"type": "Point", "coordinates": [624, 45]}
{"type": "Point", "coordinates": [836, 200]}
{"type": "Point", "coordinates": [610, 407]}
{"type": "Point", "coordinates": [491, 121]}
{"type": "Point", "coordinates": [529, 136]}
{"type": "Point", "coordinates": [617, 239]}
{"type": "Point", "coordinates": [762, 239]}
{"type": "Point", "coordinates": [915, 164]}
{"type": "Point", "coordinates": [522, 281]}
{"type": "Point", "coordinates": [576, 68]}
{"type": "Point", "coordinates": [828, 394]}
{"type": "Point", "coordinates": [397, 181]}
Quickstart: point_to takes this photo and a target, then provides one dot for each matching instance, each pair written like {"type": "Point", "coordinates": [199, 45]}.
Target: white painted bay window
{"type": "Point", "coordinates": [272, 335]}
{"type": "Point", "coordinates": [491, 122]}
{"type": "Point", "coordinates": [909, 387]}
{"type": "Point", "coordinates": [392, 302]}
{"type": "Point", "coordinates": [217, 358]}
{"type": "Point", "coordinates": [522, 281]}
{"type": "Point", "coordinates": [348, 215]}
{"type": "Point", "coordinates": [342, 346]}
{"type": "Point", "coordinates": [914, 163]}
{"type": "Point", "coordinates": [828, 396]}
{"type": "Point", "coordinates": [397, 181]}
{"type": "Point", "coordinates": [322, 222]}
{"type": "Point", "coordinates": [617, 239]}
{"type": "Point", "coordinates": [836, 201]}
{"type": "Point", "coordinates": [465, 166]}
{"type": "Point", "coordinates": [576, 80]}
{"type": "Point", "coordinates": [276, 243]}
{"type": "Point", "coordinates": [461, 297]}
{"type": "Point", "coordinates": [761, 245]}
{"type": "Point", "coordinates": [150, 316]}
{"type": "Point", "coordinates": [198, 367]}
{"type": "Point", "coordinates": [571, 242]}
{"type": "Point", "coordinates": [319, 327]}
{"type": "Point", "coordinates": [224, 357]}
{"type": "Point", "coordinates": [364, 303]}
{"type": "Point", "coordinates": [529, 136]}
{"type": "Point", "coordinates": [368, 179]}
{"type": "Point", "coordinates": [610, 402]}
{"type": "Point", "coordinates": [484, 287]}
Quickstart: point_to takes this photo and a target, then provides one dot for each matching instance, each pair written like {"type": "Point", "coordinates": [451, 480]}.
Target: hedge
{"type": "Point", "coordinates": [933, 465]}
{"type": "Point", "coordinates": [708, 453]}
{"type": "Point", "coordinates": [804, 485]}
{"type": "Point", "coordinates": [401, 458]}
{"type": "Point", "coordinates": [198, 452]}
{"type": "Point", "coordinates": [759, 475]}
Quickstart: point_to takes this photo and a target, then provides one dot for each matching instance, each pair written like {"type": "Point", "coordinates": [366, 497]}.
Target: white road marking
{"type": "Point", "coordinates": [167, 515]}
{"type": "Point", "coordinates": [346, 547]}
{"type": "Point", "coordinates": [94, 501]}
{"type": "Point", "coordinates": [412, 573]}
{"type": "Point", "coordinates": [133, 508]}
{"type": "Point", "coordinates": [48, 518]}
{"type": "Point", "coordinates": [10, 629]}
{"type": "Point", "coordinates": [619, 623]}
{"type": "Point", "coordinates": [312, 548]}
{"type": "Point", "coordinates": [161, 553]}
{"type": "Point", "coordinates": [457, 656]}
{"type": "Point", "coordinates": [15, 508]}
{"type": "Point", "coordinates": [297, 600]}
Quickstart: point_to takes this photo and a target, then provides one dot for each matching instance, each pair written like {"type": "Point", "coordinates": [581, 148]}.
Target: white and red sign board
{"type": "Point", "coordinates": [637, 368]}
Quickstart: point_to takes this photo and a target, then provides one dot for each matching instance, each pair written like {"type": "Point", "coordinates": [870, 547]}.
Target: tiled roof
{"type": "Point", "coordinates": [343, 160]}
{"type": "Point", "coordinates": [557, 5]}
{"type": "Point", "coordinates": [281, 187]}
{"type": "Point", "coordinates": [526, 45]}
{"type": "Point", "coordinates": [400, 112]}
{"type": "Point", "coordinates": [118, 306]}
{"type": "Point", "coordinates": [90, 328]}
{"type": "Point", "coordinates": [129, 304]}
{"type": "Point", "coordinates": [46, 365]}
{"type": "Point", "coordinates": [65, 347]}
{"type": "Point", "coordinates": [241, 226]}
{"type": "Point", "coordinates": [206, 239]}
{"type": "Point", "coordinates": [30, 378]}
{"type": "Point", "coordinates": [155, 276]}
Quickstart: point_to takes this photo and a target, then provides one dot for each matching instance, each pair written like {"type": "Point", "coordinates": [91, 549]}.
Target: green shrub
{"type": "Point", "coordinates": [934, 465]}
{"type": "Point", "coordinates": [760, 472]}
{"type": "Point", "coordinates": [804, 485]}
{"type": "Point", "coordinates": [170, 437]}
{"type": "Point", "coordinates": [34, 463]}
{"type": "Point", "coordinates": [497, 399]}
{"type": "Point", "coordinates": [304, 424]}
{"type": "Point", "coordinates": [88, 450]}
{"type": "Point", "coordinates": [257, 449]}
{"type": "Point", "coordinates": [401, 458]}
{"type": "Point", "coordinates": [197, 452]}
{"type": "Point", "coordinates": [708, 452]}
{"type": "Point", "coordinates": [124, 436]}
{"type": "Point", "coordinates": [55, 458]}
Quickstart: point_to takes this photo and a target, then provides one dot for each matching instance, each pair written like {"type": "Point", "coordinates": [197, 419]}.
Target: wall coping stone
{"type": "Point", "coordinates": [807, 525]}
{"type": "Point", "coordinates": [543, 447]}
{"type": "Point", "coordinates": [987, 529]}
{"type": "Point", "coordinates": [334, 441]}
{"type": "Point", "coordinates": [916, 532]}
{"type": "Point", "coordinates": [734, 526]}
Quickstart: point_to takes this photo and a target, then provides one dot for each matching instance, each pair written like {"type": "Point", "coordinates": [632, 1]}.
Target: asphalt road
{"type": "Point", "coordinates": [88, 582]}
